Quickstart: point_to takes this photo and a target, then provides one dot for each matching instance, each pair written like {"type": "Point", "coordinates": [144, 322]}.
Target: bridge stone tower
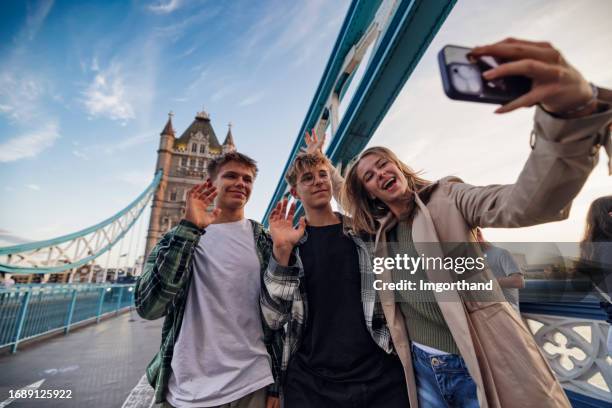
{"type": "Point", "coordinates": [183, 161]}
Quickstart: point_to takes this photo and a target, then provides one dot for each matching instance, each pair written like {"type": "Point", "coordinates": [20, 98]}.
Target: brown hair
{"type": "Point", "coordinates": [304, 161]}
{"type": "Point", "coordinates": [215, 165]}
{"type": "Point", "coordinates": [357, 202]}
{"type": "Point", "coordinates": [598, 227]}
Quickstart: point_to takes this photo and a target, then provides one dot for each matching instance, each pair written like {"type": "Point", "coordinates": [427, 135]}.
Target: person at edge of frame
{"type": "Point", "coordinates": [203, 275]}
{"type": "Point", "coordinates": [596, 255]}
{"type": "Point", "coordinates": [337, 352]}
{"type": "Point", "coordinates": [503, 265]}
{"type": "Point", "coordinates": [471, 342]}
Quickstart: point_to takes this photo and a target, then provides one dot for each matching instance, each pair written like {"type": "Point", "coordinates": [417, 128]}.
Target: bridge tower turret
{"type": "Point", "coordinates": [164, 158]}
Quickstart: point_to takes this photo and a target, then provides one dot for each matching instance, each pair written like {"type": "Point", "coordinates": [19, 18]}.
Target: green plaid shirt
{"type": "Point", "coordinates": [284, 301]}
{"type": "Point", "coordinates": [162, 290]}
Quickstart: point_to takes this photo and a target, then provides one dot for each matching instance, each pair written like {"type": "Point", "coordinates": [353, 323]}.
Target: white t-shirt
{"type": "Point", "coordinates": [220, 355]}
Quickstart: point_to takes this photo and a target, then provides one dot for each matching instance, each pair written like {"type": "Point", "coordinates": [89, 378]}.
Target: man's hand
{"type": "Point", "coordinates": [272, 402]}
{"type": "Point", "coordinates": [284, 236]}
{"type": "Point", "coordinates": [556, 85]}
{"type": "Point", "coordinates": [199, 198]}
{"type": "Point", "coordinates": [313, 144]}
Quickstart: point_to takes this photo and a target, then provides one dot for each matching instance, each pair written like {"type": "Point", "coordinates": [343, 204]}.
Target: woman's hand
{"type": "Point", "coordinates": [556, 85]}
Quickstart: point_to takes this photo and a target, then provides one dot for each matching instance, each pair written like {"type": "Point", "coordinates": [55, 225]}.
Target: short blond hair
{"type": "Point", "coordinates": [303, 162]}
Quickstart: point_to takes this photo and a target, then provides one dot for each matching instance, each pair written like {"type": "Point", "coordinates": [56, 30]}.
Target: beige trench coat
{"type": "Point", "coordinates": [516, 374]}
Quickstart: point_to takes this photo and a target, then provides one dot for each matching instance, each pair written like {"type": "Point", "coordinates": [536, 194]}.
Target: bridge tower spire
{"type": "Point", "coordinates": [164, 160]}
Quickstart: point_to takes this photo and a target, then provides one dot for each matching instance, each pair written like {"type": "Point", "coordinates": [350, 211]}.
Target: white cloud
{"type": "Point", "coordinates": [124, 144]}
{"type": "Point", "coordinates": [175, 31]}
{"type": "Point", "coordinates": [34, 20]}
{"type": "Point", "coordinates": [80, 154]}
{"type": "Point", "coordinates": [123, 88]}
{"type": "Point", "coordinates": [57, 97]}
{"type": "Point", "coordinates": [251, 99]}
{"type": "Point", "coordinates": [20, 95]}
{"type": "Point", "coordinates": [164, 7]}
{"type": "Point", "coordinates": [223, 92]}
{"type": "Point", "coordinates": [137, 178]}
{"type": "Point", "coordinates": [29, 144]}
{"type": "Point", "coordinates": [188, 52]}
{"type": "Point", "coordinates": [199, 81]}
{"type": "Point", "coordinates": [294, 28]}
{"type": "Point", "coordinates": [34, 187]}
{"type": "Point", "coordinates": [106, 96]}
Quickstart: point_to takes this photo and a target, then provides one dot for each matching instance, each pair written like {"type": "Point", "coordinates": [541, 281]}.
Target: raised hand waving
{"type": "Point", "coordinates": [284, 235]}
{"type": "Point", "coordinates": [199, 198]}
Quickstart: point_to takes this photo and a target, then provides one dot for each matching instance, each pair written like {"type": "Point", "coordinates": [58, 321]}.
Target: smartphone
{"type": "Point", "coordinates": [462, 78]}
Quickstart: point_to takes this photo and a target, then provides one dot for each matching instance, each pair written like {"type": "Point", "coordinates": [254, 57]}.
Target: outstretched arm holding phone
{"type": "Point", "coordinates": [556, 85]}
{"type": "Point", "coordinates": [383, 196]}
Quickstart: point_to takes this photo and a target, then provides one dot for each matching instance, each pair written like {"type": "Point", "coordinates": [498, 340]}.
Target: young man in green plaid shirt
{"type": "Point", "coordinates": [204, 276]}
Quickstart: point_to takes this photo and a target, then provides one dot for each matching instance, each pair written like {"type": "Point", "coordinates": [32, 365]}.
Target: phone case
{"type": "Point", "coordinates": [515, 86]}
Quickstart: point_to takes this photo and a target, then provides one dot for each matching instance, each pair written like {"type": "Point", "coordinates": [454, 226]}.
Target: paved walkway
{"type": "Point", "coordinates": [101, 364]}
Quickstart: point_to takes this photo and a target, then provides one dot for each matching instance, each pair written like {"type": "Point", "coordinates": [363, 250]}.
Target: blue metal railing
{"type": "Point", "coordinates": [30, 311]}
{"type": "Point", "coordinates": [568, 300]}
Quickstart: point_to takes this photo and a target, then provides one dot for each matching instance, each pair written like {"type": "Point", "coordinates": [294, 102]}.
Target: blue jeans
{"type": "Point", "coordinates": [443, 380]}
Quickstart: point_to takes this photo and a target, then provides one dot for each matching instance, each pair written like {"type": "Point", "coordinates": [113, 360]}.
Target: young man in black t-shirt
{"type": "Point", "coordinates": [337, 348]}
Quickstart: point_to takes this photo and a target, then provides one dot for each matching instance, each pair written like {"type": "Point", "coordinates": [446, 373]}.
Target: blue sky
{"type": "Point", "coordinates": [85, 88]}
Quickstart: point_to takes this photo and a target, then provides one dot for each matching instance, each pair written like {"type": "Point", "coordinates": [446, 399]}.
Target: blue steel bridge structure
{"type": "Point", "coordinates": [379, 45]}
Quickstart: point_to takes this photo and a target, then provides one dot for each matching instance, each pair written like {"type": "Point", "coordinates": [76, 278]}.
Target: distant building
{"type": "Point", "coordinates": [8, 239]}
{"type": "Point", "coordinates": [87, 273]}
{"type": "Point", "coordinates": [183, 161]}
{"type": "Point", "coordinates": [138, 266]}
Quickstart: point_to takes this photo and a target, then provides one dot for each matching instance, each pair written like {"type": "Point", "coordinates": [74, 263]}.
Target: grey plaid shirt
{"type": "Point", "coordinates": [284, 302]}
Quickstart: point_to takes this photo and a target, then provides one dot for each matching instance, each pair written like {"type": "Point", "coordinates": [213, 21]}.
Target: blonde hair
{"type": "Point", "coordinates": [303, 162]}
{"type": "Point", "coordinates": [356, 201]}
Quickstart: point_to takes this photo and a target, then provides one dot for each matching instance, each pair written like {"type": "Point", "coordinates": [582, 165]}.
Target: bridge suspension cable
{"type": "Point", "coordinates": [73, 250]}
{"type": "Point", "coordinates": [395, 34]}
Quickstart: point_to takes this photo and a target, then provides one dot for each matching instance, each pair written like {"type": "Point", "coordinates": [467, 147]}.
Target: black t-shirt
{"type": "Point", "coordinates": [336, 343]}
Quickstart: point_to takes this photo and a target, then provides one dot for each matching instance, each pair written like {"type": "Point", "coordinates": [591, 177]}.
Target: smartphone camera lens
{"type": "Point", "coordinates": [466, 78]}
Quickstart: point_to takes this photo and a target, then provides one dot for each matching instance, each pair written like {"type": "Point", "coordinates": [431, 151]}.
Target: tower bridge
{"type": "Point", "coordinates": [68, 323]}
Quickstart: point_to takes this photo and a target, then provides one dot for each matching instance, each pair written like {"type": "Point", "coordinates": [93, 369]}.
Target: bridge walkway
{"type": "Point", "coordinates": [102, 364]}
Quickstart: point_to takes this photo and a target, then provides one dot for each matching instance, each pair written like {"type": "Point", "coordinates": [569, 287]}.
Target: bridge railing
{"type": "Point", "coordinates": [31, 311]}
{"type": "Point", "coordinates": [572, 334]}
